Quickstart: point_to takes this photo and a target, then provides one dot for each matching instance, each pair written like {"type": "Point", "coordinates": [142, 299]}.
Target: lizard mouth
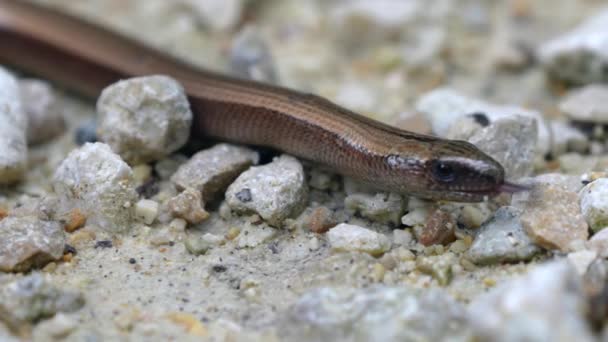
{"type": "Point", "coordinates": [480, 195]}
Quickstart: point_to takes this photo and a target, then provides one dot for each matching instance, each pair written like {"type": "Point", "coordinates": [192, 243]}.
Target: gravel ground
{"type": "Point", "coordinates": [128, 232]}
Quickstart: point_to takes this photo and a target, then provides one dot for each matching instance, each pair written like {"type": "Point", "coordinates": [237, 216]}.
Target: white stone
{"type": "Point", "coordinates": [594, 203]}
{"type": "Point", "coordinates": [28, 241]}
{"type": "Point", "coordinates": [13, 125]}
{"type": "Point", "coordinates": [582, 259]}
{"type": "Point", "coordinates": [146, 210]}
{"type": "Point", "coordinates": [547, 304]}
{"type": "Point", "coordinates": [100, 184]}
{"type": "Point", "coordinates": [587, 104]}
{"type": "Point", "coordinates": [348, 237]}
{"type": "Point", "coordinates": [416, 217]}
{"type": "Point", "coordinates": [145, 118]}
{"type": "Point", "coordinates": [213, 169]}
{"type": "Point", "coordinates": [580, 56]}
{"type": "Point", "coordinates": [275, 191]}
{"type": "Point", "coordinates": [443, 107]}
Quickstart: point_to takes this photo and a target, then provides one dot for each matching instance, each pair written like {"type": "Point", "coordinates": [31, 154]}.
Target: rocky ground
{"type": "Point", "coordinates": [120, 228]}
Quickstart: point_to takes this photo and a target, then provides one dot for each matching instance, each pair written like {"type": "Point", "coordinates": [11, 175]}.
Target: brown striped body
{"type": "Point", "coordinates": [86, 59]}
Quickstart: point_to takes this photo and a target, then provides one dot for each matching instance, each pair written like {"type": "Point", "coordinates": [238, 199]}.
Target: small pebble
{"type": "Point", "coordinates": [587, 104]}
{"type": "Point", "coordinates": [45, 118]}
{"type": "Point", "coordinates": [437, 266]}
{"type": "Point", "coordinates": [189, 206]}
{"type": "Point", "coordinates": [276, 191]}
{"type": "Point", "coordinates": [567, 139]}
{"type": "Point", "coordinates": [546, 304]}
{"type": "Point", "coordinates": [416, 217]}
{"type": "Point", "coordinates": [582, 259]}
{"type": "Point", "coordinates": [594, 203]}
{"type": "Point", "coordinates": [512, 142]}
{"type": "Point", "coordinates": [444, 107]}
{"type": "Point", "coordinates": [552, 217]}
{"type": "Point", "coordinates": [320, 220]}
{"type": "Point", "coordinates": [27, 242]}
{"type": "Point", "coordinates": [384, 208]}
{"type": "Point", "coordinates": [27, 300]}
{"type": "Point", "coordinates": [58, 328]}
{"type": "Point", "coordinates": [212, 170]}
{"type": "Point", "coordinates": [347, 237]}
{"type": "Point", "coordinates": [375, 313]}
{"type": "Point", "coordinates": [438, 229]}
{"type": "Point", "coordinates": [86, 132]}
{"type": "Point", "coordinates": [97, 182]}
{"type": "Point", "coordinates": [145, 118]}
{"type": "Point", "coordinates": [146, 210]}
{"type": "Point", "coordinates": [502, 239]}
{"type": "Point", "coordinates": [599, 243]}
{"type": "Point", "coordinates": [402, 237]}
{"type": "Point", "coordinates": [13, 126]}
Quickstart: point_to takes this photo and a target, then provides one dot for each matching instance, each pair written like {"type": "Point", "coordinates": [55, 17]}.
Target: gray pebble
{"type": "Point", "coordinates": [502, 239]}
{"type": "Point", "coordinates": [594, 203]}
{"type": "Point", "coordinates": [277, 190]}
{"type": "Point", "coordinates": [40, 104]}
{"type": "Point", "coordinates": [212, 170]}
{"type": "Point", "coordinates": [579, 56]}
{"type": "Point", "coordinates": [587, 104]}
{"type": "Point", "coordinates": [250, 57]}
{"type": "Point", "coordinates": [144, 119]}
{"type": "Point", "coordinates": [444, 107]}
{"type": "Point", "coordinates": [378, 313]}
{"type": "Point", "coordinates": [27, 300]}
{"type": "Point", "coordinates": [13, 126]}
{"type": "Point", "coordinates": [512, 142]}
{"type": "Point", "coordinates": [28, 241]}
{"type": "Point", "coordinates": [86, 132]}
{"type": "Point", "coordinates": [100, 184]}
{"type": "Point", "coordinates": [547, 304]}
{"type": "Point", "coordinates": [567, 139]}
{"type": "Point", "coordinates": [381, 207]}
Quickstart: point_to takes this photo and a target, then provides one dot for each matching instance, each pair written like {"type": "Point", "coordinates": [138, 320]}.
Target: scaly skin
{"type": "Point", "coordinates": [86, 58]}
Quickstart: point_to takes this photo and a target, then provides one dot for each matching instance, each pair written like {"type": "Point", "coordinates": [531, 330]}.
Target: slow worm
{"type": "Point", "coordinates": [86, 58]}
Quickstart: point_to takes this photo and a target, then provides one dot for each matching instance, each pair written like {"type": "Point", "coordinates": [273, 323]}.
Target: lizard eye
{"type": "Point", "coordinates": [443, 172]}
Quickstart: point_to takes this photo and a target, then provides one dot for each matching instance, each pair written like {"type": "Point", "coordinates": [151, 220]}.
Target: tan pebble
{"type": "Point", "coordinates": [459, 246]}
{"type": "Point", "coordinates": [3, 213]}
{"type": "Point", "coordinates": [50, 267]}
{"type": "Point", "coordinates": [178, 225]}
{"type": "Point", "coordinates": [189, 206]}
{"type": "Point", "coordinates": [192, 325]}
{"type": "Point", "coordinates": [468, 265]}
{"type": "Point", "coordinates": [378, 272]}
{"type": "Point", "coordinates": [439, 229]}
{"type": "Point", "coordinates": [81, 236]}
{"type": "Point", "coordinates": [67, 257]}
{"type": "Point", "coordinates": [552, 218]}
{"type": "Point", "coordinates": [141, 173]}
{"type": "Point", "coordinates": [321, 220]}
{"type": "Point", "coordinates": [489, 282]}
{"type": "Point", "coordinates": [76, 220]}
{"type": "Point", "coordinates": [232, 233]}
